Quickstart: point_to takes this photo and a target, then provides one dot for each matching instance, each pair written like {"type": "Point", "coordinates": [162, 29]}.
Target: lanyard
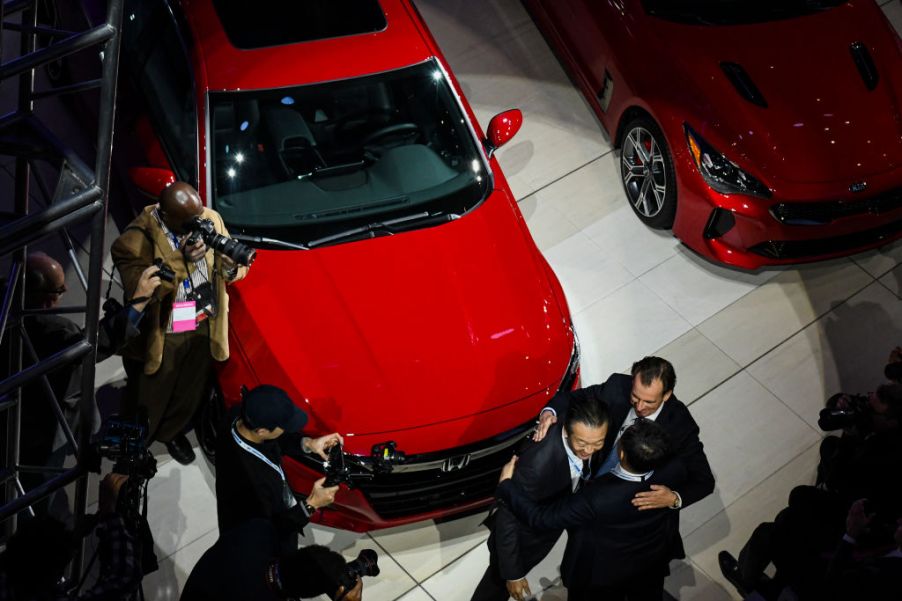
{"type": "Point", "coordinates": [187, 283]}
{"type": "Point", "coordinates": [256, 453]}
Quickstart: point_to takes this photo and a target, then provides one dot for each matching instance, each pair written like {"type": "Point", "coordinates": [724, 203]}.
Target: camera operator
{"type": "Point", "coordinates": [245, 563]}
{"type": "Point", "coordinates": [853, 465]}
{"type": "Point", "coordinates": [32, 567]}
{"type": "Point", "coordinates": [43, 442]}
{"type": "Point", "coordinates": [168, 363]}
{"type": "Point", "coordinates": [250, 482]}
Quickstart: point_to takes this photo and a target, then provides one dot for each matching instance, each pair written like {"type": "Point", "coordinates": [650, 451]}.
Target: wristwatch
{"type": "Point", "coordinates": [310, 509]}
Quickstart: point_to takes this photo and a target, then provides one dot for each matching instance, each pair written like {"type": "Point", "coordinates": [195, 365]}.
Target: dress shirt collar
{"type": "Point", "coordinates": [630, 476]}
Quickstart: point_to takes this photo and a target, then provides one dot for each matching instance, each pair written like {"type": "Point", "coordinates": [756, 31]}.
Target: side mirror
{"type": "Point", "coordinates": [502, 128]}
{"type": "Point", "coordinates": [151, 180]}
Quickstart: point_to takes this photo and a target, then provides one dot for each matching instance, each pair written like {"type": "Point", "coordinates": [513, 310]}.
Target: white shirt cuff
{"type": "Point", "coordinates": [553, 412]}
{"type": "Point", "coordinates": [679, 501]}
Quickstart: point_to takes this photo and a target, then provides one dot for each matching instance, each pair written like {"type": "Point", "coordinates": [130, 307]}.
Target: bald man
{"type": "Point", "coordinates": [43, 442]}
{"type": "Point", "coordinates": [186, 326]}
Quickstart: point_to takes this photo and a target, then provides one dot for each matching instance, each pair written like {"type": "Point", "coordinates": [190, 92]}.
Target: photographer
{"type": "Point", "coordinates": [853, 465]}
{"type": "Point", "coordinates": [245, 563]}
{"type": "Point", "coordinates": [183, 333]}
{"type": "Point", "coordinates": [250, 482]}
{"type": "Point", "coordinates": [32, 567]}
{"type": "Point", "coordinates": [43, 442]}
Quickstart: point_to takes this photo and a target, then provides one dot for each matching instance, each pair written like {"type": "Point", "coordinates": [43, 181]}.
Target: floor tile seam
{"type": "Point", "coordinates": [891, 291]}
{"type": "Point", "coordinates": [766, 352]}
{"type": "Point", "coordinates": [785, 404]}
{"type": "Point", "coordinates": [875, 276]}
{"type": "Point", "coordinates": [607, 294]}
{"type": "Point", "coordinates": [759, 483]}
{"type": "Point", "coordinates": [398, 563]}
{"type": "Point", "coordinates": [634, 280]}
{"type": "Point", "coordinates": [188, 544]}
{"type": "Point", "coordinates": [560, 177]}
{"type": "Point", "coordinates": [677, 311]}
{"type": "Point", "coordinates": [444, 567]}
{"type": "Point", "coordinates": [413, 588]}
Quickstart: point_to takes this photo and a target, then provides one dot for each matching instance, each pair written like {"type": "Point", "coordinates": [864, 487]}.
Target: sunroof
{"type": "Point", "coordinates": [263, 23]}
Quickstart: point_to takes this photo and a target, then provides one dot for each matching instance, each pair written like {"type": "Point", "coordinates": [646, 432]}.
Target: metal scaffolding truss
{"type": "Point", "coordinates": [80, 196]}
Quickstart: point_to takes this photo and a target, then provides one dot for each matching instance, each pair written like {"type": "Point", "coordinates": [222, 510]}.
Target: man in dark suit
{"type": "Point", "coordinates": [549, 470]}
{"type": "Point", "coordinates": [647, 393]}
{"type": "Point", "coordinates": [614, 551]}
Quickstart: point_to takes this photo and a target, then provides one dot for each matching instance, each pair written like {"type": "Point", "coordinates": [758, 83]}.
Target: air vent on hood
{"type": "Point", "coordinates": [865, 64]}
{"type": "Point", "coordinates": [743, 83]}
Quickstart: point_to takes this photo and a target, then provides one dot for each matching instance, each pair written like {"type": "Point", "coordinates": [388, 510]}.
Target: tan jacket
{"type": "Point", "coordinates": [133, 252]}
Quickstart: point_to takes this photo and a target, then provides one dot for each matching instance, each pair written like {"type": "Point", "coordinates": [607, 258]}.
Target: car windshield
{"type": "Point", "coordinates": [306, 162]}
{"type": "Point", "coordinates": [734, 12]}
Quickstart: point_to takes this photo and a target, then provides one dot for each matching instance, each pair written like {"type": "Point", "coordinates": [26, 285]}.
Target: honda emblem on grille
{"type": "Point", "coordinates": [452, 464]}
{"type": "Point", "coordinates": [858, 187]}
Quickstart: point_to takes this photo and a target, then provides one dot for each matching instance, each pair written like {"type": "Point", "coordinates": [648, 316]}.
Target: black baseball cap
{"type": "Point", "coordinates": [270, 407]}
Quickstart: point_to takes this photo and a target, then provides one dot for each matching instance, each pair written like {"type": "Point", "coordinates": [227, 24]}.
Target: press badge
{"type": "Point", "coordinates": [184, 316]}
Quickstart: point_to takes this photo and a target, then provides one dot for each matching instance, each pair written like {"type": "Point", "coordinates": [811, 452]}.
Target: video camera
{"type": "Point", "coordinates": [203, 229]}
{"type": "Point", "coordinates": [342, 468]}
{"type": "Point", "coordinates": [856, 413]}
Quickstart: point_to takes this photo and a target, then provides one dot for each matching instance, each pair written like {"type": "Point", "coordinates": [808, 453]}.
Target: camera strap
{"type": "Point", "coordinates": [288, 495]}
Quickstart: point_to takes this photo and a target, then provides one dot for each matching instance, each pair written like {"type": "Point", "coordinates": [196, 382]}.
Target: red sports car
{"type": "Point", "coordinates": [397, 294]}
{"type": "Point", "coordinates": [762, 131]}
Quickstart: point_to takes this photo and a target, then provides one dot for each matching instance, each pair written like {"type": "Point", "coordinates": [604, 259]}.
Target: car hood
{"type": "Point", "coordinates": [821, 122]}
{"type": "Point", "coordinates": [408, 330]}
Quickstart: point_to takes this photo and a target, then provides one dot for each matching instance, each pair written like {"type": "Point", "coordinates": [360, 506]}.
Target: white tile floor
{"type": "Point", "coordinates": [756, 354]}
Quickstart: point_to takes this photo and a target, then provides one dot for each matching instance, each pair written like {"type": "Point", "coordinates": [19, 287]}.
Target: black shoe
{"type": "Point", "coordinates": [729, 567]}
{"type": "Point", "coordinates": [180, 449]}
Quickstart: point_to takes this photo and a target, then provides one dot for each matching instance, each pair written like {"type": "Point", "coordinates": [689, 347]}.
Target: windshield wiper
{"type": "Point", "coordinates": [388, 227]}
{"type": "Point", "coordinates": [270, 241]}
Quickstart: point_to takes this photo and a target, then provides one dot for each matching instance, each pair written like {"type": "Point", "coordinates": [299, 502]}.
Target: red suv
{"type": "Point", "coordinates": [397, 294]}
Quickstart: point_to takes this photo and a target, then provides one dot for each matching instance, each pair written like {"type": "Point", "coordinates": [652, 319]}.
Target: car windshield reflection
{"type": "Point", "coordinates": [301, 163]}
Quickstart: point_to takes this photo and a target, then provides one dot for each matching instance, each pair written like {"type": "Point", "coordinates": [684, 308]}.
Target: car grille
{"type": "Point", "coordinates": [823, 212]}
{"type": "Point", "coordinates": [799, 249]}
{"type": "Point", "coordinates": [422, 484]}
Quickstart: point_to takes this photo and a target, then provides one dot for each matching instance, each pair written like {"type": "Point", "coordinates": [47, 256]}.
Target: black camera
{"type": "Point", "coordinates": [164, 272]}
{"type": "Point", "coordinates": [856, 412]}
{"type": "Point", "coordinates": [203, 229]}
{"type": "Point", "coordinates": [382, 460]}
{"type": "Point", "coordinates": [366, 564]}
{"type": "Point", "coordinates": [123, 442]}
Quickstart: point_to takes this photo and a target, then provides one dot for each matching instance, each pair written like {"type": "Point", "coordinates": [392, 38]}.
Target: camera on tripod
{"type": "Point", "coordinates": [203, 229]}
{"type": "Point", "coordinates": [123, 442]}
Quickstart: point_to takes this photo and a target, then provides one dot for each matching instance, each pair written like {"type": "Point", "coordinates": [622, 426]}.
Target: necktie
{"type": "Point", "coordinates": [584, 475]}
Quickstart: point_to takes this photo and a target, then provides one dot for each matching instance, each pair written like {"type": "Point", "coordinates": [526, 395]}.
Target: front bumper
{"type": "Point", "coordinates": [799, 225]}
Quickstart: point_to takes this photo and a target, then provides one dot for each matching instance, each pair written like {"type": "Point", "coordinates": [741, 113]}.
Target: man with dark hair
{"type": "Point", "coordinates": [614, 551]}
{"type": "Point", "coordinates": [247, 564]}
{"type": "Point", "coordinates": [168, 365]}
{"type": "Point", "coordinates": [549, 470]}
{"type": "Point", "coordinates": [647, 393]}
{"type": "Point", "coordinates": [250, 481]}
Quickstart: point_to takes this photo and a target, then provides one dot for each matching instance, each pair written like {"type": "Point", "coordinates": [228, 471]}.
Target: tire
{"type": "Point", "coordinates": [647, 175]}
{"type": "Point", "coordinates": [209, 422]}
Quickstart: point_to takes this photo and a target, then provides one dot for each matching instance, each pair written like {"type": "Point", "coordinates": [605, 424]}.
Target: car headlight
{"type": "Point", "coordinates": [572, 373]}
{"type": "Point", "coordinates": [722, 174]}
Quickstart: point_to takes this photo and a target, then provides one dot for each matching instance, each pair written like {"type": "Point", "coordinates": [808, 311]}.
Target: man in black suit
{"type": "Point", "coordinates": [549, 470]}
{"type": "Point", "coordinates": [647, 393]}
{"type": "Point", "coordinates": [614, 551]}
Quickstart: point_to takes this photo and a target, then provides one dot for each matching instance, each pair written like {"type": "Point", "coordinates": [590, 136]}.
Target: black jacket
{"type": "Point", "coordinates": [675, 419]}
{"type": "Point", "coordinates": [543, 474]}
{"type": "Point", "coordinates": [247, 488]}
{"type": "Point", "coordinates": [609, 541]}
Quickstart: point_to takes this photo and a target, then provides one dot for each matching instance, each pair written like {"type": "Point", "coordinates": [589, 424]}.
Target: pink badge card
{"type": "Point", "coordinates": [184, 316]}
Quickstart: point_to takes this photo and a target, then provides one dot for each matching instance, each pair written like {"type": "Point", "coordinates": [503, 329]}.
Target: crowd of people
{"type": "Point", "coordinates": [612, 464]}
{"type": "Point", "coordinates": [170, 330]}
{"type": "Point", "coordinates": [842, 537]}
